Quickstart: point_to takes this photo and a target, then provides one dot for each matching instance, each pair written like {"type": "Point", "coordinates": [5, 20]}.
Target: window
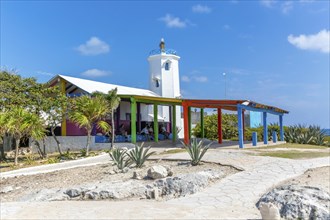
{"type": "Point", "coordinates": [167, 66]}
{"type": "Point", "coordinates": [157, 82]}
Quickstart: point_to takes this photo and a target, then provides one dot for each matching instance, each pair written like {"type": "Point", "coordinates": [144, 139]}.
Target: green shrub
{"type": "Point", "coordinates": [120, 159]}
{"type": "Point", "coordinates": [53, 160]}
{"type": "Point", "coordinates": [139, 155]}
{"type": "Point", "coordinates": [229, 127]}
{"type": "Point", "coordinates": [196, 151]}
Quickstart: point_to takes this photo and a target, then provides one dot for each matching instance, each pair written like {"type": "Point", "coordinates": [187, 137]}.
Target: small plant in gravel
{"type": "Point", "coordinates": [196, 151]}
{"type": "Point", "coordinates": [120, 158]}
{"type": "Point", "coordinates": [139, 155]}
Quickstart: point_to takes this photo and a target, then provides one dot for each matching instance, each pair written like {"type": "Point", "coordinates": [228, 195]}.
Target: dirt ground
{"type": "Point", "coordinates": [318, 177]}
{"type": "Point", "coordinates": [64, 179]}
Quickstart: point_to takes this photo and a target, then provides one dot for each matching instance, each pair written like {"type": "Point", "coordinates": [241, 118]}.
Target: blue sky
{"type": "Point", "coordinates": [273, 52]}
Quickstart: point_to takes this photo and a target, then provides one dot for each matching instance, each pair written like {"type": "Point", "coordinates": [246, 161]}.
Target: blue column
{"type": "Point", "coordinates": [265, 128]}
{"type": "Point", "coordinates": [254, 138]}
{"type": "Point", "coordinates": [274, 136]}
{"type": "Point", "coordinates": [281, 128]}
{"type": "Point", "coordinates": [240, 127]}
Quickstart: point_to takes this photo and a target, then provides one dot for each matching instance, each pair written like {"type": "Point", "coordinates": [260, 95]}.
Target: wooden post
{"type": "Point", "coordinates": [219, 126]}
{"type": "Point", "coordinates": [133, 120]}
{"type": "Point", "coordinates": [174, 137]}
{"type": "Point", "coordinates": [63, 90]}
{"type": "Point", "coordinates": [265, 128]}
{"type": "Point", "coordinates": [156, 122]}
{"type": "Point", "coordinates": [189, 122]}
{"type": "Point", "coordinates": [186, 123]}
{"type": "Point", "coordinates": [202, 122]}
{"type": "Point", "coordinates": [281, 128]}
{"type": "Point", "coordinates": [240, 127]}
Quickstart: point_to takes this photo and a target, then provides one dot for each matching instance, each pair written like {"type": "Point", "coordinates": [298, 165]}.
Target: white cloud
{"type": "Point", "coordinates": [93, 46]}
{"type": "Point", "coordinates": [185, 79]}
{"type": "Point", "coordinates": [200, 79]}
{"type": "Point", "coordinates": [268, 3]}
{"type": "Point", "coordinates": [203, 9]}
{"type": "Point", "coordinates": [318, 42]}
{"type": "Point", "coordinates": [96, 73]}
{"type": "Point", "coordinates": [173, 22]}
{"type": "Point", "coordinates": [45, 73]}
{"type": "Point", "coordinates": [286, 6]}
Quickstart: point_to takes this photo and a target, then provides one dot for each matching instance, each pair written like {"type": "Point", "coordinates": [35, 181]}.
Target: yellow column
{"type": "Point", "coordinates": [63, 126]}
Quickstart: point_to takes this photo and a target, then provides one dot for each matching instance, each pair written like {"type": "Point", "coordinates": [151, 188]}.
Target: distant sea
{"type": "Point", "coordinates": [326, 131]}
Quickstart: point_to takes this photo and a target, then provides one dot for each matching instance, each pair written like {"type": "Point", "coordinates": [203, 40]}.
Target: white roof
{"type": "Point", "coordinates": [93, 86]}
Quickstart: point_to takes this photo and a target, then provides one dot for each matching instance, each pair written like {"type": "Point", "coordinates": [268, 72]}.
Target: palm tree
{"type": "Point", "coordinates": [113, 103]}
{"type": "Point", "coordinates": [20, 122]}
{"type": "Point", "coordinates": [87, 111]}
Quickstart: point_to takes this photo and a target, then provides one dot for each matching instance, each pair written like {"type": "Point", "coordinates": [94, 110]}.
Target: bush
{"type": "Point", "coordinates": [139, 155]}
{"type": "Point", "coordinates": [229, 127]}
{"type": "Point", "coordinates": [196, 151]}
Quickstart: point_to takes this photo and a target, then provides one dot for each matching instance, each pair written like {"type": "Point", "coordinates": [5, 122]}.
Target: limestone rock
{"type": "Point", "coordinates": [73, 193]}
{"type": "Point", "coordinates": [269, 211]}
{"type": "Point", "coordinates": [299, 202]}
{"type": "Point", "coordinates": [137, 175]}
{"type": "Point", "coordinates": [157, 172]}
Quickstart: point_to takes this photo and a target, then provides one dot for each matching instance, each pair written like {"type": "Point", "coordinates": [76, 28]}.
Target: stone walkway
{"type": "Point", "coordinates": [232, 198]}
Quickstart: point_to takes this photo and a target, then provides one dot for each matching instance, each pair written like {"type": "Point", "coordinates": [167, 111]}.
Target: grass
{"type": "Point", "coordinates": [292, 146]}
{"type": "Point", "coordinates": [292, 154]}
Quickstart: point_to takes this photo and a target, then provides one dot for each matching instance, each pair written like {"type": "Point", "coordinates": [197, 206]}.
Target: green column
{"type": "Point", "coordinates": [202, 122]}
{"type": "Point", "coordinates": [156, 122]}
{"type": "Point", "coordinates": [189, 122]}
{"type": "Point", "coordinates": [174, 137]}
{"type": "Point", "coordinates": [133, 120]}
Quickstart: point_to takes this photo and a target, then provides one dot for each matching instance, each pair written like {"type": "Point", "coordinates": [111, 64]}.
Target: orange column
{"type": "Point", "coordinates": [186, 122]}
{"type": "Point", "coordinates": [219, 126]}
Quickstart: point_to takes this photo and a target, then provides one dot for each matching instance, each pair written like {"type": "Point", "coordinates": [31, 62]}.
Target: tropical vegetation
{"type": "Point", "coordinates": [87, 112]}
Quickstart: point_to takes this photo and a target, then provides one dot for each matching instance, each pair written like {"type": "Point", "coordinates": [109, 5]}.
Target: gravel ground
{"type": "Point", "coordinates": [63, 179]}
{"type": "Point", "coordinates": [318, 177]}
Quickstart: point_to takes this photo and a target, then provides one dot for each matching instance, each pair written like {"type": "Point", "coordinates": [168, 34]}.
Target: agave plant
{"type": "Point", "coordinates": [119, 157]}
{"type": "Point", "coordinates": [196, 151]}
{"type": "Point", "coordinates": [139, 155]}
{"type": "Point", "coordinates": [305, 135]}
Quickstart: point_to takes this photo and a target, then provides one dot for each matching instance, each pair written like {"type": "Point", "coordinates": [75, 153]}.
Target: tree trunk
{"type": "Point", "coordinates": [44, 148]}
{"type": "Point", "coordinates": [56, 140]}
{"type": "Point", "coordinates": [88, 141]}
{"type": "Point", "coordinates": [2, 148]}
{"type": "Point", "coordinates": [38, 148]}
{"type": "Point", "coordinates": [113, 130]}
{"type": "Point", "coordinates": [16, 150]}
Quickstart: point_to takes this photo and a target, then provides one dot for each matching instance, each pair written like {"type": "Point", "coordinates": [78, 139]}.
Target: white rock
{"type": "Point", "coordinates": [157, 172]}
{"type": "Point", "coordinates": [269, 211]}
{"type": "Point", "coordinates": [6, 189]}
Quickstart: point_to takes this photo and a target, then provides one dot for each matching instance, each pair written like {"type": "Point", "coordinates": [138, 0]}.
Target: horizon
{"type": "Point", "coordinates": [276, 53]}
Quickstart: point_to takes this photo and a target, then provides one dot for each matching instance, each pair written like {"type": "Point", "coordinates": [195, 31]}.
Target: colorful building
{"type": "Point", "coordinates": [160, 106]}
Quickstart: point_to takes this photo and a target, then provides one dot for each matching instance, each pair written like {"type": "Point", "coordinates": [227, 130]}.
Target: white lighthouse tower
{"type": "Point", "coordinates": [164, 78]}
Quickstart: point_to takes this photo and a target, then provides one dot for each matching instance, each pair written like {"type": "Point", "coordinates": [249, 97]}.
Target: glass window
{"type": "Point", "coordinates": [167, 66]}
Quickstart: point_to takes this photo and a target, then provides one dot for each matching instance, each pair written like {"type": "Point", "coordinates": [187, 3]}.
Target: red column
{"type": "Point", "coordinates": [219, 126]}
{"type": "Point", "coordinates": [186, 123]}
{"type": "Point", "coordinates": [243, 121]}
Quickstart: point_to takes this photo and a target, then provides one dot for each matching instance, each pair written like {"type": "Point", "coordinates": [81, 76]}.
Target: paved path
{"type": "Point", "coordinates": [232, 198]}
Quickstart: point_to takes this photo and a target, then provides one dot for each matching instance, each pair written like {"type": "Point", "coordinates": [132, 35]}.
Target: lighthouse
{"type": "Point", "coordinates": [164, 78]}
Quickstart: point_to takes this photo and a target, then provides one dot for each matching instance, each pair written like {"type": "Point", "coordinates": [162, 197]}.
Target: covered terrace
{"type": "Point", "coordinates": [232, 105]}
{"type": "Point", "coordinates": [240, 106]}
